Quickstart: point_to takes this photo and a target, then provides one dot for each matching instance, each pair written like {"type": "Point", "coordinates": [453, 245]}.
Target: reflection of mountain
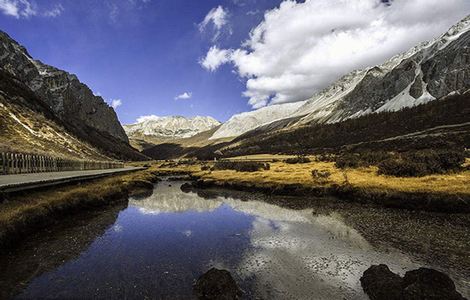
{"type": "Point", "coordinates": [322, 257]}
{"type": "Point", "coordinates": [333, 223]}
{"type": "Point", "coordinates": [170, 199]}
{"type": "Point", "coordinates": [298, 255]}
{"type": "Point", "coordinates": [46, 251]}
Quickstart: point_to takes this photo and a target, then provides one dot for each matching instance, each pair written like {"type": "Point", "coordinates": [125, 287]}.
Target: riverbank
{"type": "Point", "coordinates": [23, 213]}
{"type": "Point", "coordinates": [448, 193]}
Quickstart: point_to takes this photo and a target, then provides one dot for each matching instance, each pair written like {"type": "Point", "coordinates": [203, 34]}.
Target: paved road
{"type": "Point", "coordinates": [18, 182]}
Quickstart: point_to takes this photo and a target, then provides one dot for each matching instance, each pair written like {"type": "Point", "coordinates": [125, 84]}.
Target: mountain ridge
{"type": "Point", "coordinates": [70, 99]}
{"type": "Point", "coordinates": [407, 79]}
{"type": "Point", "coordinates": [170, 127]}
{"type": "Point", "coordinates": [49, 111]}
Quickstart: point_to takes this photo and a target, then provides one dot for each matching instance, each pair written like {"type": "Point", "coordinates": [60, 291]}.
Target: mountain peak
{"type": "Point", "coordinates": [170, 126]}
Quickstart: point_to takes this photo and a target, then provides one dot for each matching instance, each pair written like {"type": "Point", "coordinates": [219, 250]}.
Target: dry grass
{"type": "Point", "coordinates": [26, 212]}
{"type": "Point", "coordinates": [365, 178]}
{"type": "Point", "coordinates": [263, 157]}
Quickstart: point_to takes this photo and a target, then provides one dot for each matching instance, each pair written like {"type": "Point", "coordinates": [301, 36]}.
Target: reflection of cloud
{"type": "Point", "coordinates": [333, 223]}
{"type": "Point", "coordinates": [294, 254]}
{"type": "Point", "coordinates": [167, 199]}
{"type": "Point", "coordinates": [308, 254]}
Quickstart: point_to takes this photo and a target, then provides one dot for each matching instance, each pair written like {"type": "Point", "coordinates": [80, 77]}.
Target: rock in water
{"type": "Point", "coordinates": [216, 284]}
{"type": "Point", "coordinates": [379, 283]}
{"type": "Point", "coordinates": [425, 283]}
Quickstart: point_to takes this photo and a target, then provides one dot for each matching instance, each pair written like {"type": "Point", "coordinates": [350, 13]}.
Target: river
{"type": "Point", "coordinates": [158, 245]}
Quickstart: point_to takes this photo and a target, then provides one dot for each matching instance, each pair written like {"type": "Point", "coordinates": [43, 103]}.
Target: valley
{"type": "Point", "coordinates": [288, 196]}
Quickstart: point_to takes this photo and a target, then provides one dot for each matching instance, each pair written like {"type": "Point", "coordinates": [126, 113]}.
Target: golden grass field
{"type": "Point", "coordinates": [366, 178]}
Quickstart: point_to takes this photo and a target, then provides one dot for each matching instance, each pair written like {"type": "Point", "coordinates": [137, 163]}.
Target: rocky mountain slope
{"type": "Point", "coordinates": [426, 72]}
{"type": "Point", "coordinates": [69, 106]}
{"type": "Point", "coordinates": [244, 122]}
{"type": "Point", "coordinates": [440, 124]}
{"type": "Point", "coordinates": [170, 127]}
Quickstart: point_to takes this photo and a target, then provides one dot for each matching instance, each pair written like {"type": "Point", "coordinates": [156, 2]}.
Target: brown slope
{"type": "Point", "coordinates": [28, 125]}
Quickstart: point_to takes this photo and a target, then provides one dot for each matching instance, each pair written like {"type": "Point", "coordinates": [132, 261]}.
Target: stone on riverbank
{"type": "Point", "coordinates": [216, 284]}
{"type": "Point", "coordinates": [379, 283]}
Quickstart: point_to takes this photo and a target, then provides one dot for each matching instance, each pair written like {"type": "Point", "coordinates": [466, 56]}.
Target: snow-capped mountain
{"type": "Point", "coordinates": [244, 122]}
{"type": "Point", "coordinates": [170, 127]}
{"type": "Point", "coordinates": [426, 72]}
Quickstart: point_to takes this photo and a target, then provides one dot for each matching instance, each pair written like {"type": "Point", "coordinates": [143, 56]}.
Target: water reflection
{"type": "Point", "coordinates": [158, 245]}
{"type": "Point", "coordinates": [169, 199]}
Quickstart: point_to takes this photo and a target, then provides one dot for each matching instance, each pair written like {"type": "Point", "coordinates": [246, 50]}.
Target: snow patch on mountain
{"type": "Point", "coordinates": [244, 122]}
{"type": "Point", "coordinates": [170, 126]}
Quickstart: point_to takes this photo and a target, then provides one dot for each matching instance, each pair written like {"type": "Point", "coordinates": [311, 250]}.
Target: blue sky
{"type": "Point", "coordinates": [146, 53]}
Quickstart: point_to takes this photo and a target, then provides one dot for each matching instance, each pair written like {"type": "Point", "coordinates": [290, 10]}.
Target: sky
{"type": "Point", "coordinates": [218, 57]}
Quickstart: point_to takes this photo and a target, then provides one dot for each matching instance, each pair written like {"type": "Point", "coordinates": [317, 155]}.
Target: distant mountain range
{"type": "Point", "coordinates": [43, 107]}
{"type": "Point", "coordinates": [432, 70]}
{"type": "Point", "coordinates": [170, 127]}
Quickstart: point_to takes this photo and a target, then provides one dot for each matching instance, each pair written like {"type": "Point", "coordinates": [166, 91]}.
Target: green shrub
{"type": "Point", "coordinates": [365, 159]}
{"type": "Point", "coordinates": [350, 160]}
{"type": "Point", "coordinates": [301, 159]}
{"type": "Point", "coordinates": [421, 163]}
{"type": "Point", "coordinates": [241, 166]}
{"type": "Point", "coordinates": [402, 168]}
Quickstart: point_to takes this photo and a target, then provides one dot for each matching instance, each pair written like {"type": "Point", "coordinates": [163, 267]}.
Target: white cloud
{"type": "Point", "coordinates": [56, 11]}
{"type": "Point", "coordinates": [184, 96]}
{"type": "Point", "coordinates": [115, 103]}
{"type": "Point", "coordinates": [301, 47]}
{"type": "Point", "coordinates": [17, 8]}
{"type": "Point", "coordinates": [215, 57]}
{"type": "Point", "coordinates": [218, 16]}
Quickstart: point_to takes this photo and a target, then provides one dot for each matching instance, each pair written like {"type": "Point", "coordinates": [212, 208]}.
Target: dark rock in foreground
{"type": "Point", "coordinates": [425, 283]}
{"type": "Point", "coordinates": [216, 284]}
{"type": "Point", "coordinates": [379, 283]}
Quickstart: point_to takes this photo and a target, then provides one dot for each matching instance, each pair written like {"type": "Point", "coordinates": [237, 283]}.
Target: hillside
{"type": "Point", "coordinates": [426, 72]}
{"type": "Point", "coordinates": [186, 147]}
{"type": "Point", "coordinates": [28, 125]}
{"type": "Point", "coordinates": [444, 123]}
{"type": "Point", "coordinates": [44, 107]}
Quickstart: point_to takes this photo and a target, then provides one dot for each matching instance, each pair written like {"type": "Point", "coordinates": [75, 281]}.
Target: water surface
{"type": "Point", "coordinates": [157, 246]}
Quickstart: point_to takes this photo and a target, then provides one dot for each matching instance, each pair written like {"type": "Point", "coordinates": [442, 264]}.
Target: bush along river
{"type": "Point", "coordinates": [156, 246]}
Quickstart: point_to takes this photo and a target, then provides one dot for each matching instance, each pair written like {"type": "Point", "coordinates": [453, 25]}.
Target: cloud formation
{"type": "Point", "coordinates": [218, 17]}
{"type": "Point", "coordinates": [302, 47]}
{"type": "Point", "coordinates": [26, 9]}
{"type": "Point", "coordinates": [56, 11]}
{"type": "Point", "coordinates": [17, 8]}
{"type": "Point", "coordinates": [215, 57]}
{"type": "Point", "coordinates": [115, 103]}
{"type": "Point", "coordinates": [184, 96]}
